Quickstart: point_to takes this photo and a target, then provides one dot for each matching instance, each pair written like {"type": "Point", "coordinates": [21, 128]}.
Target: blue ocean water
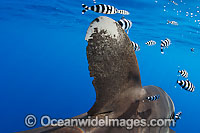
{"type": "Point", "coordinates": [43, 64]}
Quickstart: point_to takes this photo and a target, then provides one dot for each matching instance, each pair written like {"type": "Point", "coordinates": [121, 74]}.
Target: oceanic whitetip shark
{"type": "Point", "coordinates": [119, 93]}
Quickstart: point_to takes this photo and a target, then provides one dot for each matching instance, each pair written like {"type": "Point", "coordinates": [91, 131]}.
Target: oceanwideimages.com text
{"type": "Point", "coordinates": [45, 121]}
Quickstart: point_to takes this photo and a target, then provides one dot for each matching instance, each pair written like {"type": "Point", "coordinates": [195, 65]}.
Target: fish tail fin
{"type": "Point", "coordinates": [138, 48]}
{"type": "Point", "coordinates": [86, 8]}
{"type": "Point", "coordinates": [162, 50]}
{"type": "Point", "coordinates": [83, 11]}
{"type": "Point", "coordinates": [176, 83]}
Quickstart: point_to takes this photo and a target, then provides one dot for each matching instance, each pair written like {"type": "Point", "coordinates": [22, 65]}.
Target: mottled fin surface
{"type": "Point", "coordinates": [112, 62]}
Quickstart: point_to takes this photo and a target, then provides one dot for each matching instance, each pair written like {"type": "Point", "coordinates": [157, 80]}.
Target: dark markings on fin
{"type": "Point", "coordinates": [96, 20]}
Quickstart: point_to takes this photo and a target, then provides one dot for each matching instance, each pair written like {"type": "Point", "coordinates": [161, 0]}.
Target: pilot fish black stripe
{"type": "Point", "coordinates": [105, 9]}
{"type": "Point", "coordinates": [125, 24]}
{"type": "Point", "coordinates": [153, 98]}
{"type": "Point", "coordinates": [186, 84]}
{"type": "Point", "coordinates": [135, 46]}
{"type": "Point", "coordinates": [183, 73]}
{"type": "Point", "coordinates": [164, 44]}
{"type": "Point", "coordinates": [101, 8]}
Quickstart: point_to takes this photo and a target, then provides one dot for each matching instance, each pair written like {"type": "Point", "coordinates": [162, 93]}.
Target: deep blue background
{"type": "Point", "coordinates": [43, 64]}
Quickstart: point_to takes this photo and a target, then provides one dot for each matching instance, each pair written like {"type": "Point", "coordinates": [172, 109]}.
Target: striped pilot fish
{"type": "Point", "coordinates": [183, 73]}
{"type": "Point", "coordinates": [125, 24]}
{"type": "Point", "coordinates": [173, 2]}
{"type": "Point", "coordinates": [105, 9]}
{"type": "Point", "coordinates": [172, 22]}
{"type": "Point", "coordinates": [186, 84]}
{"type": "Point", "coordinates": [153, 98]}
{"type": "Point", "coordinates": [150, 43]}
{"type": "Point", "coordinates": [165, 44]}
{"type": "Point", "coordinates": [135, 46]}
{"type": "Point", "coordinates": [177, 116]}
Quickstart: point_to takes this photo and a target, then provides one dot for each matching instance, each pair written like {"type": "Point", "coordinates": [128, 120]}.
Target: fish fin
{"type": "Point", "coordinates": [167, 21]}
{"type": "Point", "coordinates": [162, 50]}
{"type": "Point", "coordinates": [176, 83]}
{"type": "Point", "coordinates": [85, 6]}
{"type": "Point", "coordinates": [122, 16]}
{"type": "Point", "coordinates": [83, 11]}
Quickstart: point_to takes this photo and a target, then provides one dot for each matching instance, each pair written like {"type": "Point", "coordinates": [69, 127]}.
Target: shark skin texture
{"type": "Point", "coordinates": [119, 93]}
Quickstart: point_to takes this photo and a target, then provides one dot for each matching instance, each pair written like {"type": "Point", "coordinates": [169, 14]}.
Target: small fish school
{"type": "Point", "coordinates": [184, 84]}
{"type": "Point", "coordinates": [126, 26]}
